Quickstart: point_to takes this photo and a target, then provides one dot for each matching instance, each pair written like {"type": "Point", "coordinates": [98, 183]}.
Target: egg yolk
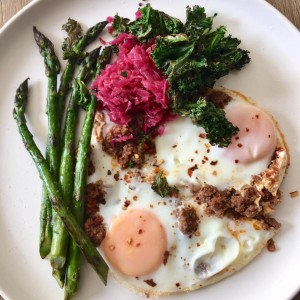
{"type": "Point", "coordinates": [256, 138]}
{"type": "Point", "coordinates": [135, 243]}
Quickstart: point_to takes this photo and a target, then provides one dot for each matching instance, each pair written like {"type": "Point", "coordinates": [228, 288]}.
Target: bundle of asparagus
{"type": "Point", "coordinates": [63, 175]}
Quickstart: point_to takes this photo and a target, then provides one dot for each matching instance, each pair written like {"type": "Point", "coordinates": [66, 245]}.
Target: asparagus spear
{"type": "Point", "coordinates": [72, 47]}
{"type": "Point", "coordinates": [76, 44]}
{"type": "Point", "coordinates": [53, 188]}
{"type": "Point", "coordinates": [73, 271]}
{"type": "Point", "coordinates": [60, 234]}
{"type": "Point", "coordinates": [52, 69]}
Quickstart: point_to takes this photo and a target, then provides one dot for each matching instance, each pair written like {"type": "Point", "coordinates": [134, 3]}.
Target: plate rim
{"type": "Point", "coordinates": [292, 29]}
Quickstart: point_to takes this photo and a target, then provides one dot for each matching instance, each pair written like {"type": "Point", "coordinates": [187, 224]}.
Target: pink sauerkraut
{"type": "Point", "coordinates": [132, 86]}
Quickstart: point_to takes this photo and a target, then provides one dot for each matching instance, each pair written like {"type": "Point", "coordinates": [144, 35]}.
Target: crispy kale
{"type": "Point", "coordinates": [205, 114]}
{"type": "Point", "coordinates": [152, 23]}
{"type": "Point", "coordinates": [161, 187]}
{"type": "Point", "coordinates": [170, 51]}
{"type": "Point", "coordinates": [196, 58]}
{"type": "Point", "coordinates": [120, 25]}
{"type": "Point", "coordinates": [193, 56]}
{"type": "Point", "coordinates": [197, 23]}
{"type": "Point", "coordinates": [74, 31]}
{"type": "Point", "coordinates": [193, 61]}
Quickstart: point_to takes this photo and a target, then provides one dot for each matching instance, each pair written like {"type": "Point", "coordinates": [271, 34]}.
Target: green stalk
{"type": "Point", "coordinates": [72, 53]}
{"type": "Point", "coordinates": [60, 238]}
{"type": "Point", "coordinates": [53, 188]}
{"type": "Point", "coordinates": [64, 88]}
{"type": "Point", "coordinates": [52, 69]}
{"type": "Point", "coordinates": [74, 262]}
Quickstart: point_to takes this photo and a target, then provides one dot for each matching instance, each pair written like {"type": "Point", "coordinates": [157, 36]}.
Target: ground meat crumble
{"type": "Point", "coordinates": [95, 229]}
{"type": "Point", "coordinates": [93, 222]}
{"type": "Point", "coordinates": [248, 202]}
{"type": "Point", "coordinates": [256, 200]}
{"type": "Point", "coordinates": [150, 282]}
{"type": "Point", "coordinates": [127, 145]}
{"type": "Point", "coordinates": [271, 245]}
{"type": "Point", "coordinates": [188, 220]}
{"type": "Point", "coordinates": [166, 257]}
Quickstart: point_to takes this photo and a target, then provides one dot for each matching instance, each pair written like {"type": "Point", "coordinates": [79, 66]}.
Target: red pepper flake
{"type": "Point", "coordinates": [236, 161]}
{"type": "Point", "coordinates": [126, 203]}
{"type": "Point", "coordinates": [202, 135]}
{"type": "Point", "coordinates": [150, 282]}
{"type": "Point", "coordinates": [256, 116]}
{"type": "Point", "coordinates": [240, 145]}
{"type": "Point", "coordinates": [196, 151]}
{"type": "Point", "coordinates": [294, 194]}
{"type": "Point", "coordinates": [247, 129]}
{"type": "Point", "coordinates": [203, 161]}
{"type": "Point", "coordinates": [135, 197]}
{"type": "Point", "coordinates": [174, 146]}
{"type": "Point", "coordinates": [205, 157]}
{"type": "Point", "coordinates": [138, 245]}
{"type": "Point", "coordinates": [198, 244]}
{"type": "Point", "coordinates": [108, 172]}
{"type": "Point", "coordinates": [117, 176]}
{"type": "Point", "coordinates": [269, 136]}
{"type": "Point", "coordinates": [271, 245]}
{"type": "Point", "coordinates": [178, 284]}
{"type": "Point", "coordinates": [191, 170]}
{"type": "Point", "coordinates": [214, 162]}
{"type": "Point", "coordinates": [166, 257]}
{"type": "Point", "coordinates": [237, 138]}
{"type": "Point", "coordinates": [208, 150]}
{"type": "Point", "coordinates": [140, 231]}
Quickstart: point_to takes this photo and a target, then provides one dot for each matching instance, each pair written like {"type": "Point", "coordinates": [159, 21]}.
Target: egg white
{"type": "Point", "coordinates": [220, 246]}
{"type": "Point", "coordinates": [183, 147]}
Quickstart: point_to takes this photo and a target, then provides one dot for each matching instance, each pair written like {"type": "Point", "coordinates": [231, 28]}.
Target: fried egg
{"type": "Point", "coordinates": [144, 246]}
{"type": "Point", "coordinates": [188, 158]}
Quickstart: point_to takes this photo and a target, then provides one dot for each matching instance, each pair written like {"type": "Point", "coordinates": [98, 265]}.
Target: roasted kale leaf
{"type": "Point", "coordinates": [152, 23]}
{"type": "Point", "coordinates": [197, 57]}
{"type": "Point", "coordinates": [205, 114]}
{"type": "Point", "coordinates": [193, 61]}
{"type": "Point", "coordinates": [74, 31]}
{"type": "Point", "coordinates": [193, 56]}
{"type": "Point", "coordinates": [161, 187]}
{"type": "Point", "coordinates": [120, 25]}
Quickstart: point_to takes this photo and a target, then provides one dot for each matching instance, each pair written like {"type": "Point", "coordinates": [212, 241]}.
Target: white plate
{"type": "Point", "coordinates": [272, 79]}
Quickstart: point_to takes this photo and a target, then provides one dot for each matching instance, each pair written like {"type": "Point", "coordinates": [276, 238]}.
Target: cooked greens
{"type": "Point", "coordinates": [193, 56]}
{"type": "Point", "coordinates": [205, 114]}
{"type": "Point", "coordinates": [151, 24]}
{"type": "Point", "coordinates": [161, 187]}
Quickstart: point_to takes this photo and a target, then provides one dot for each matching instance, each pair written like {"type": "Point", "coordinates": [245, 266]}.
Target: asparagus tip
{"type": "Point", "coordinates": [59, 276]}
